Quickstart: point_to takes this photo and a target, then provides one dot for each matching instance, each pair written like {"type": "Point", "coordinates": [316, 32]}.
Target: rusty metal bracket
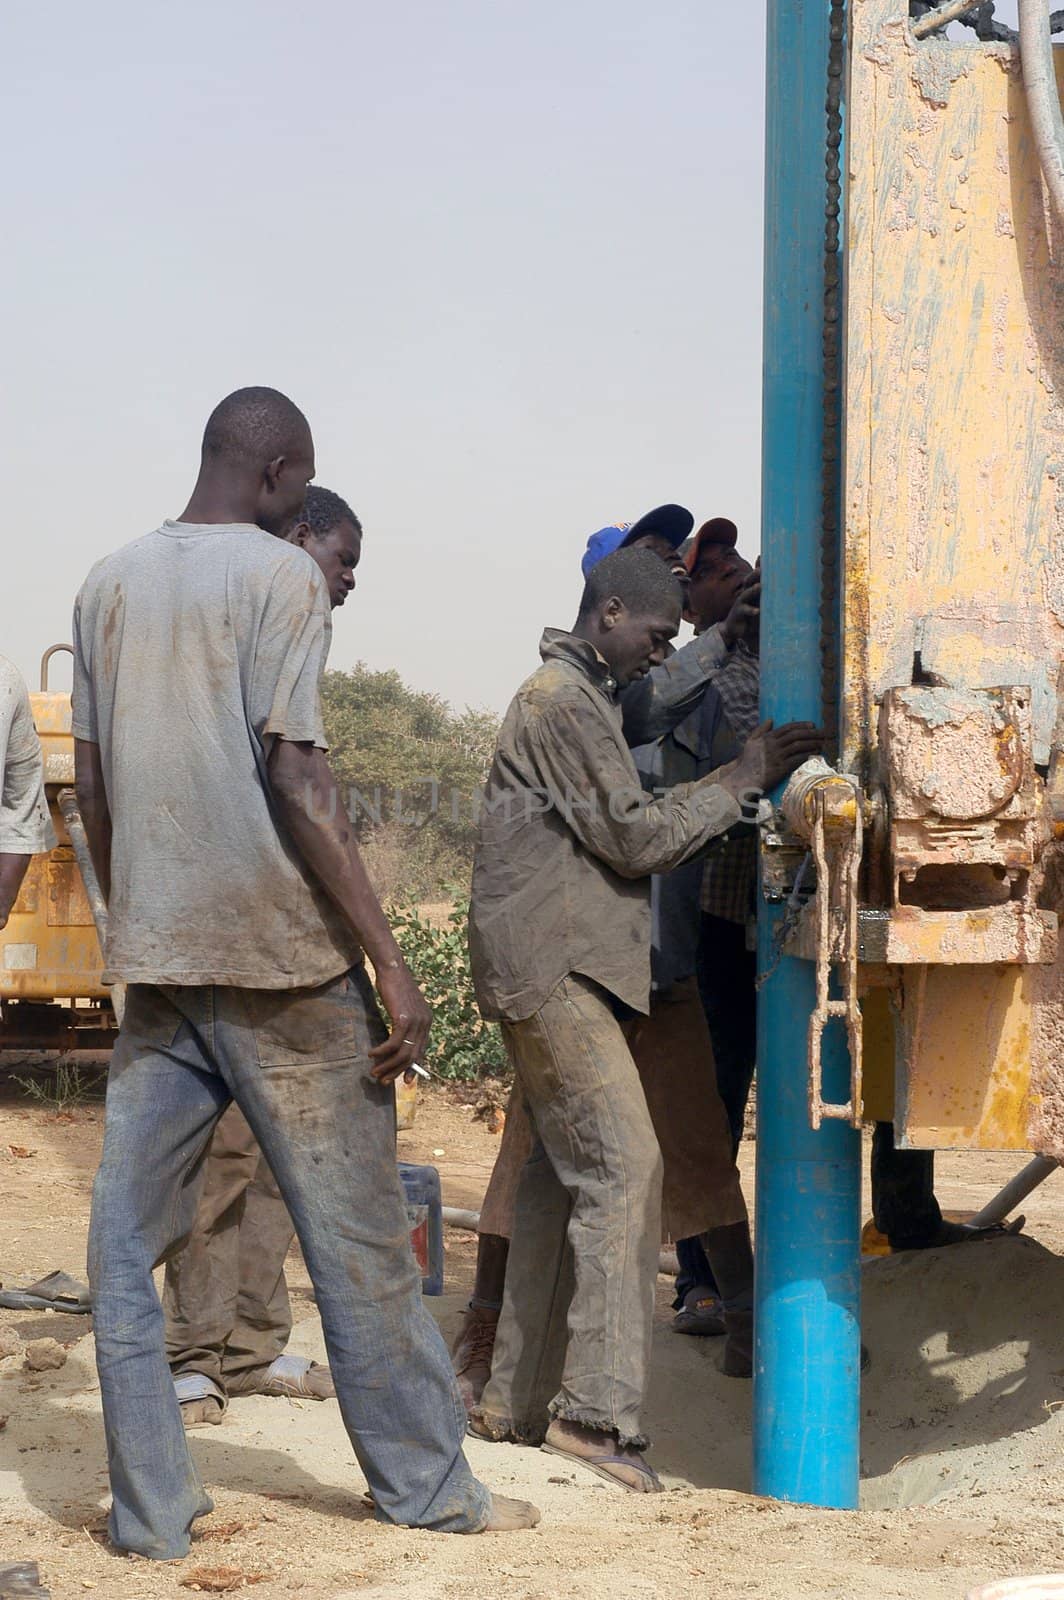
{"type": "Point", "coordinates": [52, 650]}
{"type": "Point", "coordinates": [837, 858]}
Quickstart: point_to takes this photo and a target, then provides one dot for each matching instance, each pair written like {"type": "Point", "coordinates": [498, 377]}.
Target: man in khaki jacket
{"type": "Point", "coordinates": [560, 944]}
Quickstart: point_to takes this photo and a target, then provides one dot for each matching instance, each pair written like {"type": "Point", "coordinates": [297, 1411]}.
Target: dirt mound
{"type": "Point", "coordinates": [959, 1408]}
{"type": "Point", "coordinates": [966, 1389]}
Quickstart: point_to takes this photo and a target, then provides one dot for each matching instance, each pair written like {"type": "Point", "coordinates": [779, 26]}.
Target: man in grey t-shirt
{"type": "Point", "coordinates": [228, 1315]}
{"type": "Point", "coordinates": [239, 910]}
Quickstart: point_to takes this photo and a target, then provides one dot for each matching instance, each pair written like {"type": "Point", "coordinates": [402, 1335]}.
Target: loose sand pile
{"type": "Point", "coordinates": [964, 1405]}
{"type": "Point", "coordinates": [963, 1439]}
{"type": "Point", "coordinates": [966, 1391]}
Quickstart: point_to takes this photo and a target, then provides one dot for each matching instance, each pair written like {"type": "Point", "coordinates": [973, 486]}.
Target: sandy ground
{"type": "Point", "coordinates": [963, 1431]}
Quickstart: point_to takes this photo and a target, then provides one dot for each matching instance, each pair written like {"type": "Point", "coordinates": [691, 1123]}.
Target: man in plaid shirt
{"type": "Point", "coordinates": [903, 1199]}
{"type": "Point", "coordinates": [727, 960]}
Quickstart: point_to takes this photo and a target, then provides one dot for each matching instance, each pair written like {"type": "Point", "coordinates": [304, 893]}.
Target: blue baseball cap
{"type": "Point", "coordinates": [672, 523]}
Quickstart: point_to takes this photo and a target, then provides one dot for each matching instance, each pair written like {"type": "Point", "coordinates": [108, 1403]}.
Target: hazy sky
{"type": "Point", "coordinates": [505, 255]}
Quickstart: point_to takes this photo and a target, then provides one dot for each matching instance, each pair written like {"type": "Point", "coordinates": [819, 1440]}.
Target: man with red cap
{"type": "Point", "coordinates": [724, 918]}
{"type": "Point", "coordinates": [903, 1199]}
{"type": "Point", "coordinates": [672, 690]}
{"type": "Point", "coordinates": [716, 574]}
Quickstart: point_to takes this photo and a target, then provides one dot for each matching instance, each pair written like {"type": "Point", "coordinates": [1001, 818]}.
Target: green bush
{"type": "Point", "coordinates": [410, 765]}
{"type": "Point", "coordinates": [462, 1045]}
{"type": "Point", "coordinates": [390, 743]}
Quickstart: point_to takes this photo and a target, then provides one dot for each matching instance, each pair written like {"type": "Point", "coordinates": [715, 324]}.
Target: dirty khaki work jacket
{"type": "Point", "coordinates": [568, 839]}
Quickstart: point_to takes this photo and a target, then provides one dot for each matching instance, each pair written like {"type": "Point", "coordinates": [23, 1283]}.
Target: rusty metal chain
{"type": "Point", "coordinates": [838, 870]}
{"type": "Point", "coordinates": [830, 533]}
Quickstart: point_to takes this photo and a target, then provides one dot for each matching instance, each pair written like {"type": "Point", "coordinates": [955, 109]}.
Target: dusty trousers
{"type": "Point", "coordinates": [297, 1063]}
{"type": "Point", "coordinates": [674, 1058]}
{"type": "Point", "coordinates": [575, 1329]}
{"type": "Point", "coordinates": [225, 1296]}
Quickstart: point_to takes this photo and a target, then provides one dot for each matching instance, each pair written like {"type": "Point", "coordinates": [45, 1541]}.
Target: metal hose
{"type": "Point", "coordinates": [1043, 100]}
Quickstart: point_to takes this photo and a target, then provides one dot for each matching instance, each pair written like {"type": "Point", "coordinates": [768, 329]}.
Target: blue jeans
{"type": "Point", "coordinates": [296, 1061]}
{"type": "Point", "coordinates": [727, 982]}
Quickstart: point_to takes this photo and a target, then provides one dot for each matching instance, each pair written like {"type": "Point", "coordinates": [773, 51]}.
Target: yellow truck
{"type": "Point", "coordinates": [52, 994]}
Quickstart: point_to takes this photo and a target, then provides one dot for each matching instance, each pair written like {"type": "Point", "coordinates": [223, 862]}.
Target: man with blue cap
{"type": "Point", "coordinates": [662, 530]}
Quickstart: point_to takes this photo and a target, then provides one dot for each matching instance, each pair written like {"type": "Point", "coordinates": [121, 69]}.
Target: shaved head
{"type": "Point", "coordinates": [255, 425]}
{"type": "Point", "coordinates": [256, 462]}
{"type": "Point", "coordinates": [630, 612]}
{"type": "Point", "coordinates": [635, 576]}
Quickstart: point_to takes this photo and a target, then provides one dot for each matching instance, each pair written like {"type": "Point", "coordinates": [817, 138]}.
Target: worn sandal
{"type": "Point", "coordinates": [57, 1291]}
{"type": "Point", "coordinates": [21, 1580]}
{"type": "Point", "coordinates": [296, 1378]}
{"type": "Point", "coordinates": [202, 1402]}
{"type": "Point", "coordinates": [601, 1465]}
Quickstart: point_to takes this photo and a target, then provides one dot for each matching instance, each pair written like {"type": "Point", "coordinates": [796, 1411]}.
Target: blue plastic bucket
{"type": "Point", "coordinates": [424, 1209]}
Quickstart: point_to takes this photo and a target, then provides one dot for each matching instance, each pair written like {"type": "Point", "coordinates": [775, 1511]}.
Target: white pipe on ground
{"type": "Point", "coordinates": [1017, 1189]}
{"type": "Point", "coordinates": [454, 1217]}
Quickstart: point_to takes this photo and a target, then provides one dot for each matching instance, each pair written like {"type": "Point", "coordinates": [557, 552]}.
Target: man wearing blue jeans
{"type": "Point", "coordinates": [239, 911]}
{"type": "Point", "coordinates": [228, 1316]}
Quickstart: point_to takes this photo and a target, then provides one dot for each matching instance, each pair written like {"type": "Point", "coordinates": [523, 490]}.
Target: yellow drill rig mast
{"type": "Point", "coordinates": [913, 538]}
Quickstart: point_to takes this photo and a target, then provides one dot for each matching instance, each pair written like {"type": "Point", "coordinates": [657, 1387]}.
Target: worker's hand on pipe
{"type": "Point", "coordinates": [772, 754]}
{"type": "Point", "coordinates": [411, 1019]}
{"type": "Point", "coordinates": [744, 618]}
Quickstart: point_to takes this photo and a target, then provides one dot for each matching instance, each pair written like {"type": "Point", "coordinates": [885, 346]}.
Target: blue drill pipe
{"type": "Point", "coordinates": [807, 1353]}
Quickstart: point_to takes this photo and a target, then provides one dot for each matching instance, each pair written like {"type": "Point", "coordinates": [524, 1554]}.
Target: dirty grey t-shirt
{"type": "Point", "coordinates": [25, 826]}
{"type": "Point", "coordinates": [194, 648]}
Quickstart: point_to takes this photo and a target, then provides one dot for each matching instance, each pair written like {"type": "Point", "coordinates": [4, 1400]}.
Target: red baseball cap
{"type": "Point", "coordinates": [720, 531]}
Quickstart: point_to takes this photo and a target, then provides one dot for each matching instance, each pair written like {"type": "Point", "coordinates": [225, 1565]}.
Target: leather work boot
{"type": "Point", "coordinates": [729, 1253]}
{"type": "Point", "coordinates": [471, 1353]}
{"type": "Point", "coordinates": [738, 1358]}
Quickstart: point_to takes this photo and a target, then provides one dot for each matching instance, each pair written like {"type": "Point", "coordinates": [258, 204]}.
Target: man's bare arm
{"type": "Point", "coordinates": [310, 806]}
{"type": "Point", "coordinates": [95, 812]}
{"type": "Point", "coordinates": [12, 871]}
